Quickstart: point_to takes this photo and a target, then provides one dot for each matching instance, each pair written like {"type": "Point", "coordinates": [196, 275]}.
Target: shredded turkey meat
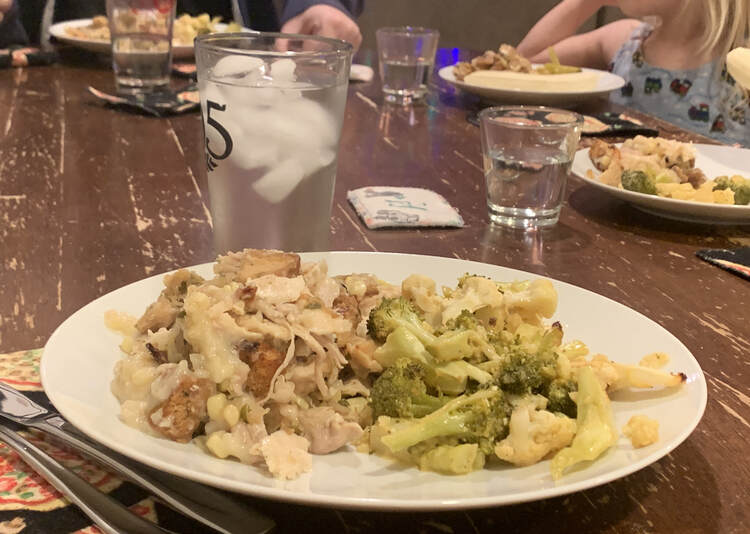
{"type": "Point", "coordinates": [261, 364]}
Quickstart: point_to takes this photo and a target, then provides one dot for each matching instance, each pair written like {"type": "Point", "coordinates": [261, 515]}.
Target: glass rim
{"type": "Point", "coordinates": [407, 30]}
{"type": "Point", "coordinates": [339, 47]}
{"type": "Point", "coordinates": [494, 109]}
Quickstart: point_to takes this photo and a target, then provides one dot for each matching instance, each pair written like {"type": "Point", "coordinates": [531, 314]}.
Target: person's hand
{"type": "Point", "coordinates": [325, 21]}
{"type": "Point", "coordinates": [4, 8]}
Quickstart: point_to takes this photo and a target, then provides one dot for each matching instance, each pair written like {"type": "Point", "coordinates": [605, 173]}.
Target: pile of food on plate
{"type": "Point", "coordinates": [507, 58]}
{"type": "Point", "coordinates": [663, 167]}
{"type": "Point", "coordinates": [185, 28]}
{"type": "Point", "coordinates": [273, 359]}
{"type": "Point", "coordinates": [507, 69]}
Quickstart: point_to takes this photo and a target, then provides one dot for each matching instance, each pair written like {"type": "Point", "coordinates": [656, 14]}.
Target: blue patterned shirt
{"type": "Point", "coordinates": [702, 100]}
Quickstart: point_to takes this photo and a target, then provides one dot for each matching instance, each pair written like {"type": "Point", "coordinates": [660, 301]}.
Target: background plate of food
{"type": "Point", "coordinates": [93, 34]}
{"type": "Point", "coordinates": [683, 181]}
{"type": "Point", "coordinates": [79, 374]}
{"type": "Point", "coordinates": [507, 77]}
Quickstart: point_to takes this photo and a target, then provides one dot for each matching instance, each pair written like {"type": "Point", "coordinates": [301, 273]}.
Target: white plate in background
{"type": "Point", "coordinates": [606, 83]}
{"type": "Point", "coordinates": [57, 30]}
{"type": "Point", "coordinates": [713, 160]}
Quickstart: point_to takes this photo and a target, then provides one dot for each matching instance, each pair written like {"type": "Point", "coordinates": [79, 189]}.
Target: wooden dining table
{"type": "Point", "coordinates": [93, 198]}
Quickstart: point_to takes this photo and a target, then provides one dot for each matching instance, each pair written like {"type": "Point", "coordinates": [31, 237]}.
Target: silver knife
{"type": "Point", "coordinates": [202, 503]}
{"type": "Point", "coordinates": [109, 515]}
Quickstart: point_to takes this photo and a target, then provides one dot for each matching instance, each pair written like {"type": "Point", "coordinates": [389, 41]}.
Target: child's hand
{"type": "Point", "coordinates": [325, 21]}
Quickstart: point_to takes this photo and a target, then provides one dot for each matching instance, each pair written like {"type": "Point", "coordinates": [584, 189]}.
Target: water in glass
{"type": "Point", "coordinates": [525, 186]}
{"type": "Point", "coordinates": [405, 78]}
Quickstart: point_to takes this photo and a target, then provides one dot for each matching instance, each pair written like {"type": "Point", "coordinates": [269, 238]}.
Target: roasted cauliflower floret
{"type": "Point", "coordinates": [614, 375]}
{"type": "Point", "coordinates": [534, 433]}
{"type": "Point", "coordinates": [532, 299]}
{"type": "Point", "coordinates": [472, 294]}
{"type": "Point", "coordinates": [420, 290]}
{"type": "Point", "coordinates": [642, 431]}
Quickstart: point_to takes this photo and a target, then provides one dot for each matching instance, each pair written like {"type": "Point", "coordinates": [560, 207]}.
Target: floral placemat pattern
{"type": "Point", "coordinates": [28, 503]}
{"type": "Point", "coordinates": [22, 488]}
{"type": "Point", "coordinates": [21, 369]}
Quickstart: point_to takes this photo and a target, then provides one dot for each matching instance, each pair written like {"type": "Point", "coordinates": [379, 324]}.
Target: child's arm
{"type": "Point", "coordinates": [560, 22]}
{"type": "Point", "coordinates": [594, 49]}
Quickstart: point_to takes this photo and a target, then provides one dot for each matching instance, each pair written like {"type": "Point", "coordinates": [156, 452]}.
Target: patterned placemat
{"type": "Point", "coordinates": [28, 504]}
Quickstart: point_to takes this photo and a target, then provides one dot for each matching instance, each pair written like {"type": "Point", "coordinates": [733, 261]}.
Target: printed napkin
{"type": "Point", "coordinates": [388, 207]}
{"type": "Point", "coordinates": [735, 261]}
{"type": "Point", "coordinates": [158, 104]}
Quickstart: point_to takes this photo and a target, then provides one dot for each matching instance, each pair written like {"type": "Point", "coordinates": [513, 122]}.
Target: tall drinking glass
{"type": "Point", "coordinates": [527, 153]}
{"type": "Point", "coordinates": [141, 33]}
{"type": "Point", "coordinates": [273, 106]}
{"type": "Point", "coordinates": [406, 57]}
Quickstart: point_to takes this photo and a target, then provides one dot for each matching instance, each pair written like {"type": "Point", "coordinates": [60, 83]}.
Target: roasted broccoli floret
{"type": "Point", "coordinates": [558, 395]}
{"type": "Point", "coordinates": [401, 343]}
{"type": "Point", "coordinates": [531, 360]}
{"type": "Point", "coordinates": [400, 391]}
{"type": "Point", "coordinates": [449, 377]}
{"type": "Point", "coordinates": [465, 321]}
{"type": "Point", "coordinates": [464, 337]}
{"type": "Point", "coordinates": [481, 418]}
{"type": "Point", "coordinates": [740, 186]}
{"type": "Point", "coordinates": [525, 373]}
{"type": "Point", "coordinates": [638, 181]}
{"type": "Point", "coordinates": [393, 313]}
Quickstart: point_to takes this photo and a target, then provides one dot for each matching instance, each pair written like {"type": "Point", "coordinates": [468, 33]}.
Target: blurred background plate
{"type": "Point", "coordinates": [58, 32]}
{"type": "Point", "coordinates": [713, 160]}
{"type": "Point", "coordinates": [607, 82]}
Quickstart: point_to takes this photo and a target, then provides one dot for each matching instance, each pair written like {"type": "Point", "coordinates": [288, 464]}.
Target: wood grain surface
{"type": "Point", "coordinates": [92, 199]}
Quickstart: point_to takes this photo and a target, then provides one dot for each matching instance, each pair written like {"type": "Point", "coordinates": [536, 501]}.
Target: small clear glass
{"type": "Point", "coordinates": [141, 34]}
{"type": "Point", "coordinates": [273, 107]}
{"type": "Point", "coordinates": [527, 153]}
{"type": "Point", "coordinates": [407, 57]}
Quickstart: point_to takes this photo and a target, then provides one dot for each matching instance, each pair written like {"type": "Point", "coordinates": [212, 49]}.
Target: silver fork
{"type": "Point", "coordinates": [108, 514]}
{"type": "Point", "coordinates": [202, 503]}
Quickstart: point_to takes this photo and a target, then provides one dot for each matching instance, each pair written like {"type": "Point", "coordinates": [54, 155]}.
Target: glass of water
{"type": "Point", "coordinates": [273, 106]}
{"type": "Point", "coordinates": [527, 153]}
{"type": "Point", "coordinates": [141, 33]}
{"type": "Point", "coordinates": [407, 55]}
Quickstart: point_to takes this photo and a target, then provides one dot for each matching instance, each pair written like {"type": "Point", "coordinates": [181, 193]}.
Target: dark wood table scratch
{"type": "Point", "coordinates": [92, 199]}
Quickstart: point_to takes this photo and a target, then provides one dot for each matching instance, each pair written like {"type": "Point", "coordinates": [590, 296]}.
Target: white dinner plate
{"type": "Point", "coordinates": [57, 30]}
{"type": "Point", "coordinates": [606, 83]}
{"type": "Point", "coordinates": [713, 160]}
{"type": "Point", "coordinates": [78, 361]}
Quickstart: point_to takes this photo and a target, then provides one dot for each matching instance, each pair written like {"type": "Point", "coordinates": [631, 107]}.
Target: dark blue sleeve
{"type": "Point", "coordinates": [292, 8]}
{"type": "Point", "coordinates": [11, 29]}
